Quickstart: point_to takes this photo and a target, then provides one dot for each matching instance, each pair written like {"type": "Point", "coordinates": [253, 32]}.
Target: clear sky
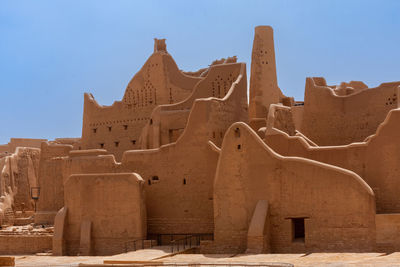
{"type": "Point", "coordinates": [51, 52]}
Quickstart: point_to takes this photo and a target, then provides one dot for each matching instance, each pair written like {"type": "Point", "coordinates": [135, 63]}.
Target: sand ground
{"type": "Point", "coordinates": [302, 260]}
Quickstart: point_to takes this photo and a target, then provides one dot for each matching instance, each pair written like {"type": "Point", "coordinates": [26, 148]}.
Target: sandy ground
{"type": "Point", "coordinates": [302, 260]}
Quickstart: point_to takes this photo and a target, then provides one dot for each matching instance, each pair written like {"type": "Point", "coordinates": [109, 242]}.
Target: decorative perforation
{"type": "Point", "coordinates": [221, 85]}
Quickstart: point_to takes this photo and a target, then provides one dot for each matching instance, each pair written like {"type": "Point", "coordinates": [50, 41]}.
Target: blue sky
{"type": "Point", "coordinates": [51, 52]}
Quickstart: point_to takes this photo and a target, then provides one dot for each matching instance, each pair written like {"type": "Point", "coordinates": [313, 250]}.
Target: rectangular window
{"type": "Point", "coordinates": [298, 229]}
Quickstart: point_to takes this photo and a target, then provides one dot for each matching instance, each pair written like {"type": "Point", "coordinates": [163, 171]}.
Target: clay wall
{"type": "Point", "coordinates": [117, 128]}
{"type": "Point", "coordinates": [337, 206]}
{"type": "Point", "coordinates": [20, 142]}
{"type": "Point", "coordinates": [111, 204]}
{"type": "Point", "coordinates": [375, 160]}
{"type": "Point", "coordinates": [387, 228]}
{"type": "Point", "coordinates": [329, 119]}
{"type": "Point", "coordinates": [179, 176]}
{"type": "Point", "coordinates": [168, 121]}
{"type": "Point", "coordinates": [50, 181]}
{"type": "Point", "coordinates": [27, 244]}
{"type": "Point", "coordinates": [26, 177]}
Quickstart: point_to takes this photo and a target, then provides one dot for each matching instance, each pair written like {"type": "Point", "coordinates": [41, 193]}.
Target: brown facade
{"type": "Point", "coordinates": [186, 153]}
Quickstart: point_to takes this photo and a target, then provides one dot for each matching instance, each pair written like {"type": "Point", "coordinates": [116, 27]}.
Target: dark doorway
{"type": "Point", "coordinates": [298, 229]}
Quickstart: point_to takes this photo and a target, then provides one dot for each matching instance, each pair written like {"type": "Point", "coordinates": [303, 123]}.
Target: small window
{"type": "Point", "coordinates": [184, 180]}
{"type": "Point", "coordinates": [125, 127]}
{"type": "Point", "coordinates": [116, 143]}
{"type": "Point", "coordinates": [239, 147]}
{"type": "Point", "coordinates": [149, 182]}
{"type": "Point", "coordinates": [237, 132]}
{"type": "Point", "coordinates": [298, 229]}
{"type": "Point", "coordinates": [155, 178]}
{"type": "Point", "coordinates": [109, 128]}
{"type": "Point", "coordinates": [101, 145]}
{"type": "Point", "coordinates": [133, 142]}
{"type": "Point", "coordinates": [94, 130]}
{"type": "Point", "coordinates": [151, 121]}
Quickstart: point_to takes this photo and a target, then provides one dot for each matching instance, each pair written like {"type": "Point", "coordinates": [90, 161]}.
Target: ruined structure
{"type": "Point", "coordinates": [188, 154]}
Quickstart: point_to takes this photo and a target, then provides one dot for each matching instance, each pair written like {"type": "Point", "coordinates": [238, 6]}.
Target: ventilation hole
{"type": "Point", "coordinates": [133, 142]}
{"type": "Point", "coordinates": [94, 130]}
{"type": "Point", "coordinates": [116, 143]}
{"type": "Point", "coordinates": [149, 182]}
{"type": "Point", "coordinates": [109, 128]}
{"type": "Point", "coordinates": [101, 145]}
{"type": "Point", "coordinates": [126, 127]}
{"type": "Point", "coordinates": [155, 178]}
{"type": "Point", "coordinates": [151, 121]}
{"type": "Point", "coordinates": [239, 147]}
{"type": "Point", "coordinates": [184, 180]}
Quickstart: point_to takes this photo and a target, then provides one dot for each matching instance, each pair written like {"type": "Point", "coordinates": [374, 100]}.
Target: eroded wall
{"type": "Point", "coordinates": [18, 174]}
{"type": "Point", "coordinates": [331, 119]}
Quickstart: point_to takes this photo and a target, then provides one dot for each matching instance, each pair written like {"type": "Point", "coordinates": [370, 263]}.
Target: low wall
{"type": "Point", "coordinates": [387, 232]}
{"type": "Point", "coordinates": [24, 244]}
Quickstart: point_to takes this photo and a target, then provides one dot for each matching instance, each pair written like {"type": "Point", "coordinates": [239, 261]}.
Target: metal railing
{"type": "Point", "coordinates": [186, 242]}
{"type": "Point", "coordinates": [133, 245]}
{"type": "Point", "coordinates": [166, 239]}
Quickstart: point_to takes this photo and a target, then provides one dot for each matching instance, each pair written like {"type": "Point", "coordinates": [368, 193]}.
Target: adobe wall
{"type": "Point", "coordinates": [50, 181]}
{"type": "Point", "coordinates": [27, 162]}
{"type": "Point", "coordinates": [387, 229]}
{"type": "Point", "coordinates": [20, 142]}
{"type": "Point", "coordinates": [375, 160]}
{"type": "Point", "coordinates": [18, 174]}
{"type": "Point", "coordinates": [179, 176]}
{"type": "Point", "coordinates": [26, 244]}
{"type": "Point", "coordinates": [111, 204]}
{"type": "Point", "coordinates": [331, 119]}
{"type": "Point", "coordinates": [117, 128]}
{"type": "Point", "coordinates": [168, 121]}
{"type": "Point", "coordinates": [338, 206]}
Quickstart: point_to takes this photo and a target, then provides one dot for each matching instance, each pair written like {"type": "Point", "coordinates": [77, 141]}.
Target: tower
{"type": "Point", "coordinates": [264, 88]}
